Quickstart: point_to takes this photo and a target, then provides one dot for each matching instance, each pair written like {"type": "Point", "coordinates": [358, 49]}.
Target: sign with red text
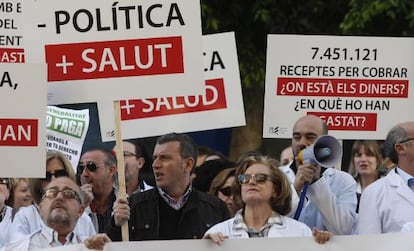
{"type": "Point", "coordinates": [99, 50]}
{"type": "Point", "coordinates": [359, 86]}
{"type": "Point", "coordinates": [377, 242]}
{"type": "Point", "coordinates": [11, 37]}
{"type": "Point", "coordinates": [22, 120]}
{"type": "Point", "coordinates": [220, 106]}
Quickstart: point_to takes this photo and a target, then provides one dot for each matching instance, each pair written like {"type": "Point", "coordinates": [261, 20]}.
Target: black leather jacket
{"type": "Point", "coordinates": [200, 212]}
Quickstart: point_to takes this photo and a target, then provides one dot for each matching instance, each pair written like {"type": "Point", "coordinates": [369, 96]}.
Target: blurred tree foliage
{"type": "Point", "coordinates": [379, 18]}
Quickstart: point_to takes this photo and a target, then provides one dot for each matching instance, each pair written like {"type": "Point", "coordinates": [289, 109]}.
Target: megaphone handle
{"type": "Point", "coordinates": [301, 201]}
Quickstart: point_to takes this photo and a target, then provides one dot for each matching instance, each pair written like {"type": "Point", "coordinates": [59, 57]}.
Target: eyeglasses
{"type": "Point", "coordinates": [226, 191]}
{"type": "Point", "coordinates": [406, 140]}
{"type": "Point", "coordinates": [91, 166]}
{"type": "Point", "coordinates": [257, 178]}
{"type": "Point", "coordinates": [4, 181]}
{"type": "Point", "coordinates": [56, 174]}
{"type": "Point", "coordinates": [67, 193]}
{"type": "Point", "coordinates": [129, 154]}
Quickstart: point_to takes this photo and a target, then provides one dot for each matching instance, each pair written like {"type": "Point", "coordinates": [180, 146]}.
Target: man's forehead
{"type": "Point", "coordinates": [94, 154]}
{"type": "Point", "coordinates": [308, 126]}
{"type": "Point", "coordinates": [62, 182]}
{"type": "Point", "coordinates": [170, 146]}
{"type": "Point", "coordinates": [127, 146]}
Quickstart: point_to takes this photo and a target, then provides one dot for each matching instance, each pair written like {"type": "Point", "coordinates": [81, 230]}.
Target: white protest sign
{"type": "Point", "coordinates": [66, 131]}
{"type": "Point", "coordinates": [378, 242]}
{"type": "Point", "coordinates": [11, 38]}
{"type": "Point", "coordinates": [100, 50]}
{"type": "Point", "coordinates": [220, 106]}
{"type": "Point", "coordinates": [22, 120]}
{"type": "Point", "coordinates": [358, 85]}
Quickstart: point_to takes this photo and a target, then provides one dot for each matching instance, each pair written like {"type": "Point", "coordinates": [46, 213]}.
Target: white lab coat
{"type": "Point", "coordinates": [386, 205]}
{"type": "Point", "coordinates": [331, 203]}
{"type": "Point", "coordinates": [289, 228]}
{"type": "Point", "coordinates": [5, 225]}
{"type": "Point", "coordinates": [408, 227]}
{"type": "Point", "coordinates": [27, 220]}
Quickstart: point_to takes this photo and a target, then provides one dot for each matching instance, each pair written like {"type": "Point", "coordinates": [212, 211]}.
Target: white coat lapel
{"type": "Point", "coordinates": [397, 182]}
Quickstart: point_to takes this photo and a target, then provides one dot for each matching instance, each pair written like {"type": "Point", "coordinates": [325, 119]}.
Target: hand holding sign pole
{"type": "Point", "coordinates": [120, 164]}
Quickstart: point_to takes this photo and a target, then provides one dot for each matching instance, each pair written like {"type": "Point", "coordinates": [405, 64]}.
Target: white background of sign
{"type": "Point", "coordinates": [11, 16]}
{"type": "Point", "coordinates": [79, 91]}
{"type": "Point", "coordinates": [225, 45]}
{"type": "Point", "coordinates": [27, 101]}
{"type": "Point", "coordinates": [383, 242]}
{"type": "Point", "coordinates": [280, 113]}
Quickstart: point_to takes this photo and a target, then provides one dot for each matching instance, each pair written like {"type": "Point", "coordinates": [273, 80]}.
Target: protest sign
{"type": "Point", "coordinates": [220, 106]}
{"type": "Point", "coordinates": [99, 50]}
{"type": "Point", "coordinates": [22, 121]}
{"type": "Point", "coordinates": [358, 85]}
{"type": "Point", "coordinates": [378, 242]}
{"type": "Point", "coordinates": [66, 132]}
{"type": "Point", "coordinates": [11, 37]}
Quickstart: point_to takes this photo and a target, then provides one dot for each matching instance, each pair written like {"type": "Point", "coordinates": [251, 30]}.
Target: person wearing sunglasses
{"type": "Point", "coordinates": [27, 219]}
{"type": "Point", "coordinates": [264, 194]}
{"type": "Point", "coordinates": [174, 209]}
{"type": "Point", "coordinates": [134, 162]}
{"type": "Point", "coordinates": [387, 204]}
{"type": "Point", "coordinates": [221, 186]}
{"type": "Point", "coordinates": [60, 208]}
{"type": "Point", "coordinates": [97, 169]}
{"type": "Point", "coordinates": [5, 211]}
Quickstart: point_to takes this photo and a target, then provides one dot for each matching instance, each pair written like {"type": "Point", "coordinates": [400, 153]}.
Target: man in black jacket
{"type": "Point", "coordinates": [174, 209]}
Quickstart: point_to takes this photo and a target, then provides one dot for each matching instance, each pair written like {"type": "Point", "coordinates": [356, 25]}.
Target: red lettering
{"type": "Point", "coordinates": [342, 121]}
{"type": "Point", "coordinates": [18, 132]}
{"type": "Point", "coordinates": [110, 59]}
{"type": "Point", "coordinates": [9, 55]}
{"type": "Point", "coordinates": [213, 99]}
{"type": "Point", "coordinates": [322, 87]}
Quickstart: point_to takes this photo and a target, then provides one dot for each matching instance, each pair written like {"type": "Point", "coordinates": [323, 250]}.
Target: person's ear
{"type": "Point", "coordinates": [140, 162]}
{"type": "Point", "coordinates": [112, 170]}
{"type": "Point", "coordinates": [399, 149]}
{"type": "Point", "coordinates": [81, 210]}
{"type": "Point", "coordinates": [189, 164]}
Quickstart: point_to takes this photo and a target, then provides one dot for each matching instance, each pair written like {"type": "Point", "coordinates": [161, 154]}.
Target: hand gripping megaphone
{"type": "Point", "coordinates": [326, 151]}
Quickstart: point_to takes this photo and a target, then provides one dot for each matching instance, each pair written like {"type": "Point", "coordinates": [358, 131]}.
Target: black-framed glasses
{"type": "Point", "coordinates": [257, 178]}
{"type": "Point", "coordinates": [4, 181]}
{"type": "Point", "coordinates": [226, 191]}
{"type": "Point", "coordinates": [67, 193]}
{"type": "Point", "coordinates": [90, 165]}
{"type": "Point", "coordinates": [406, 140]}
{"type": "Point", "coordinates": [129, 154]}
{"type": "Point", "coordinates": [57, 173]}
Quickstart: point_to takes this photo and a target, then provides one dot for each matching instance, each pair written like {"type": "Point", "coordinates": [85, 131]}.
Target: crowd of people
{"type": "Point", "coordinates": [199, 193]}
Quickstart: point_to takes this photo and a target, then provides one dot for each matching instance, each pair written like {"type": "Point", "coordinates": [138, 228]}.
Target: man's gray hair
{"type": "Point", "coordinates": [394, 136]}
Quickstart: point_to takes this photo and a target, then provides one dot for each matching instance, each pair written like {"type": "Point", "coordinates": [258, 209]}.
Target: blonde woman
{"type": "Point", "coordinates": [19, 194]}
